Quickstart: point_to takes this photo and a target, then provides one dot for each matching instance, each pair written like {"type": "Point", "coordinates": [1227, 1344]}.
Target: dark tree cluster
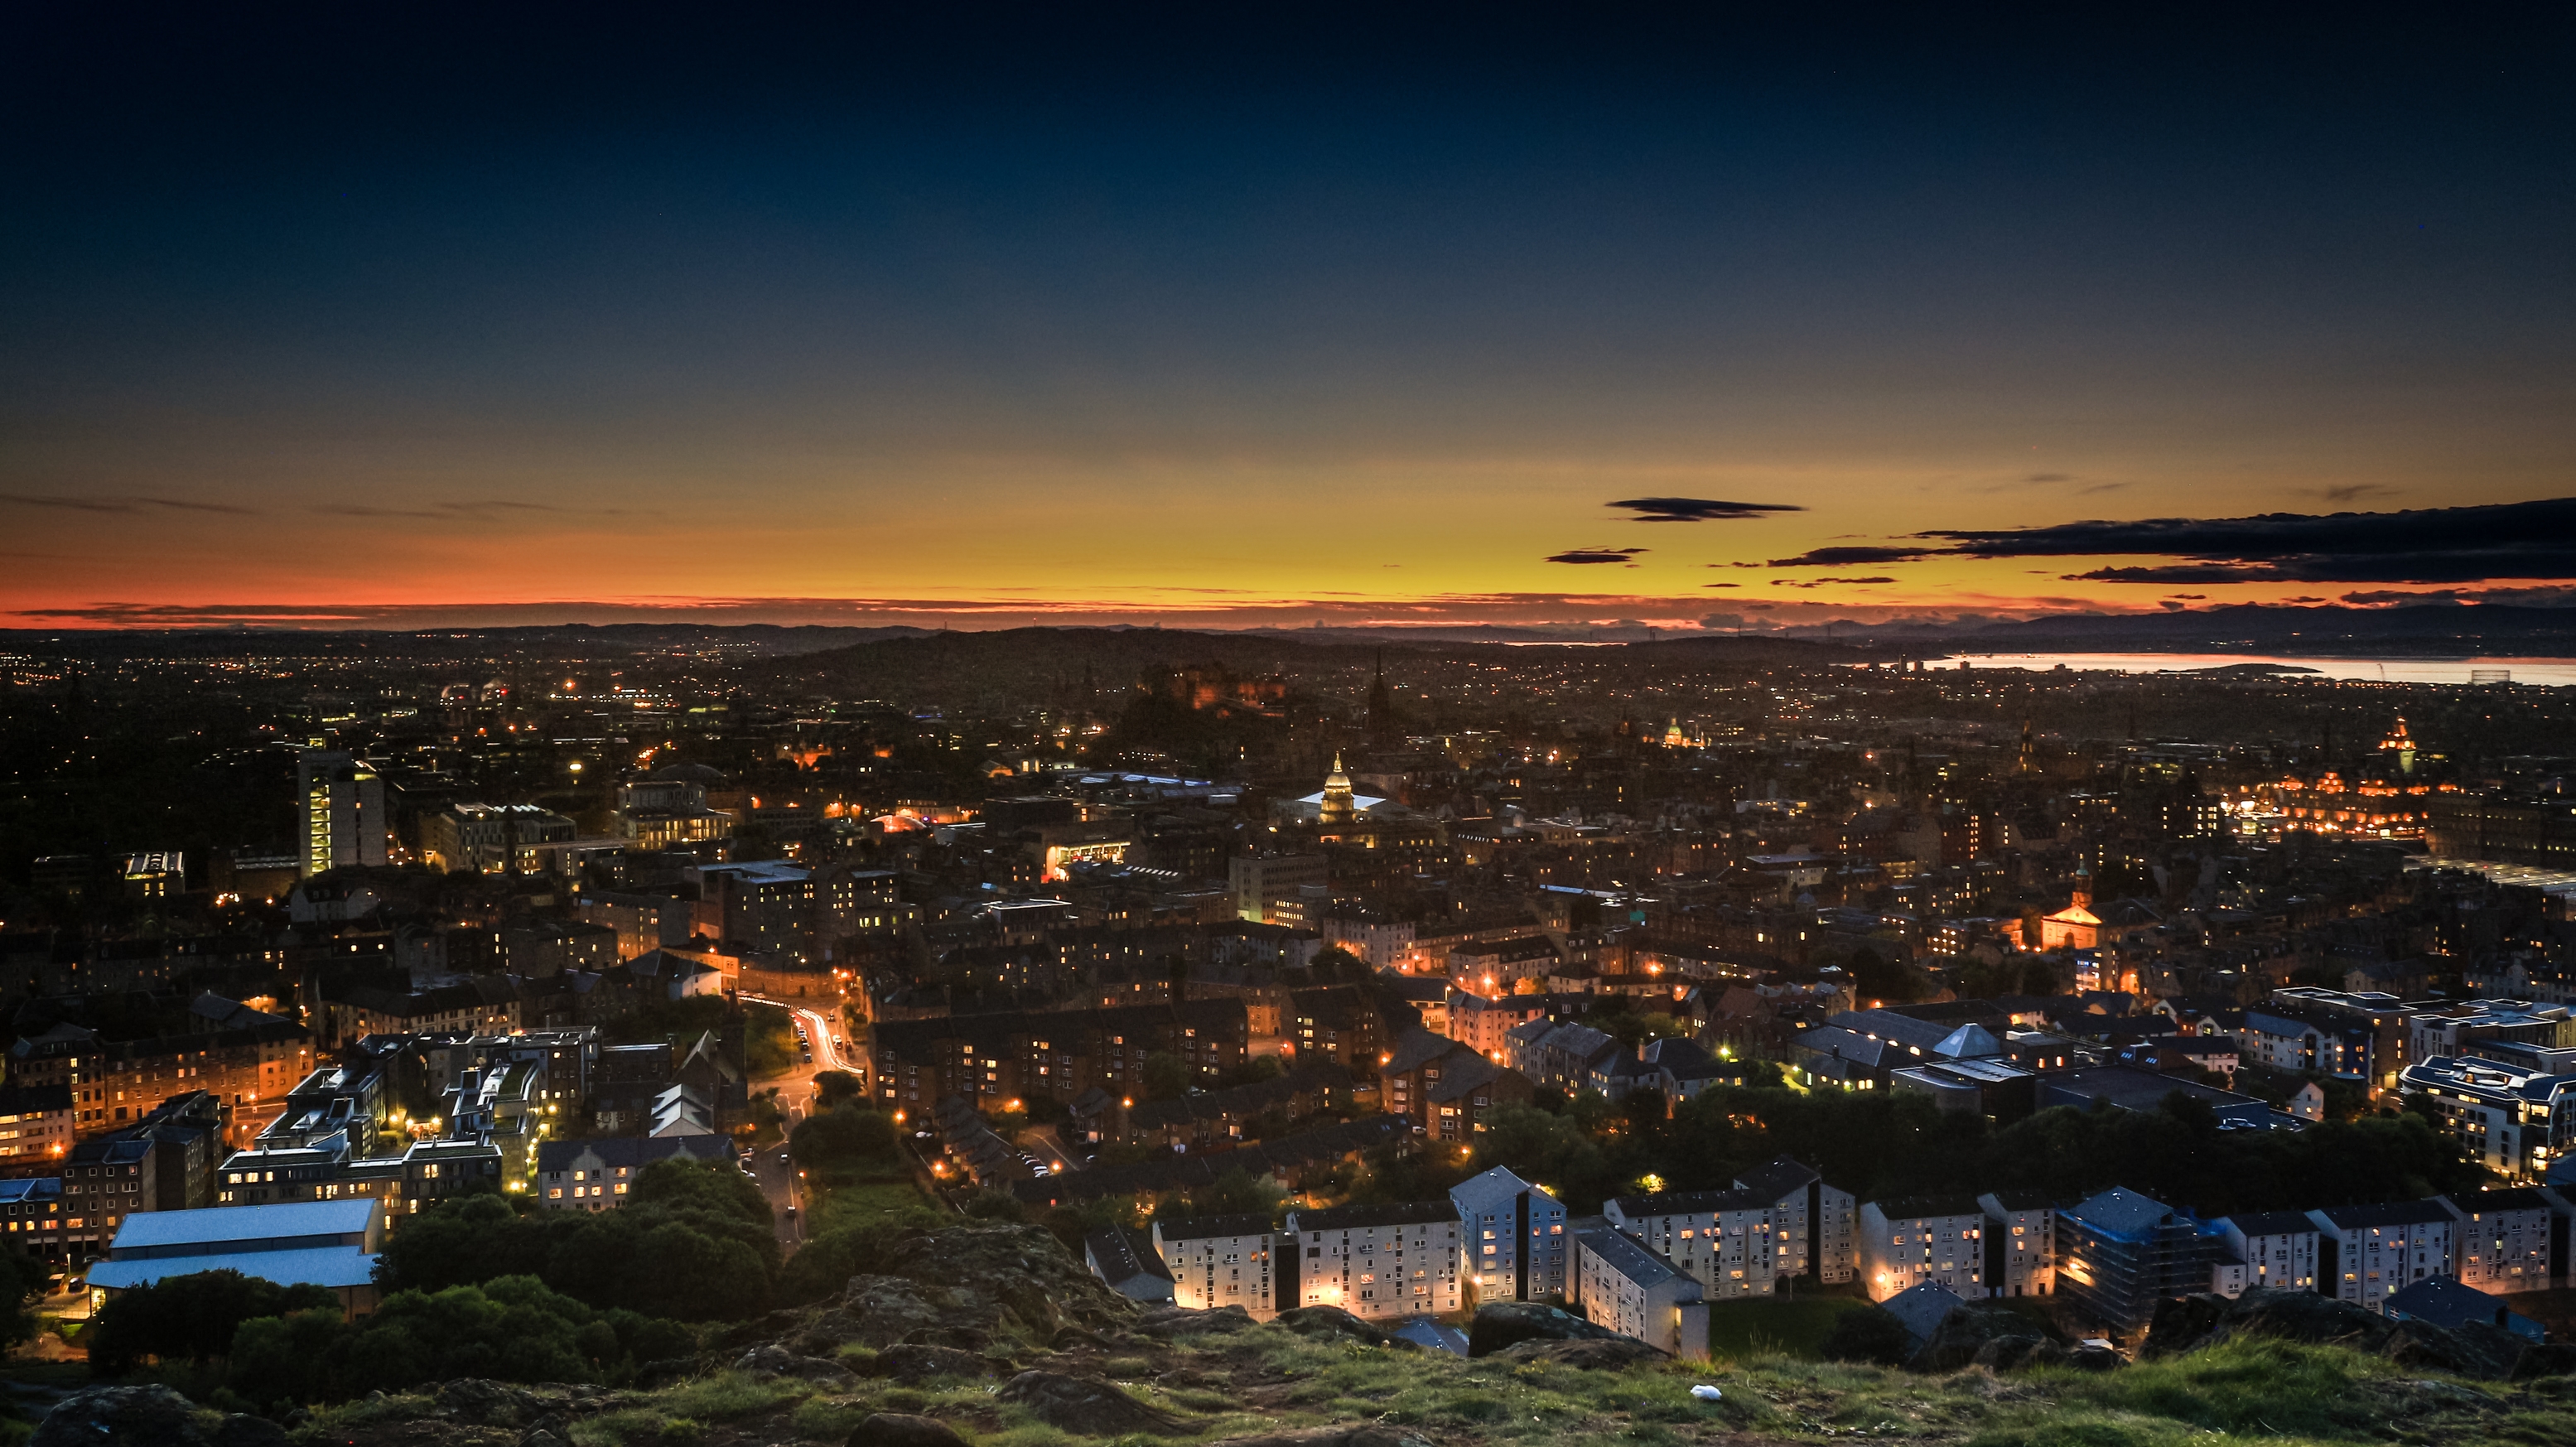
{"type": "Point", "coordinates": [705, 1229]}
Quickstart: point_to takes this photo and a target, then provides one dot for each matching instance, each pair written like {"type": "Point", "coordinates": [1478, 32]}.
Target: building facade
{"type": "Point", "coordinates": [2502, 1240]}
{"type": "Point", "coordinates": [1516, 1246]}
{"type": "Point", "coordinates": [1218, 1261]}
{"type": "Point", "coordinates": [2121, 1254]}
{"type": "Point", "coordinates": [2366, 1254]}
{"type": "Point", "coordinates": [1910, 1240]}
{"type": "Point", "coordinates": [1640, 1293]}
{"type": "Point", "coordinates": [2276, 1250]}
{"type": "Point", "coordinates": [1380, 1261]}
{"type": "Point", "coordinates": [2021, 1243]}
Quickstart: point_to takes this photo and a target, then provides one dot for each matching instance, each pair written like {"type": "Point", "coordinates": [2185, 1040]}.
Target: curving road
{"type": "Point", "coordinates": [777, 1177]}
{"type": "Point", "coordinates": [819, 1029]}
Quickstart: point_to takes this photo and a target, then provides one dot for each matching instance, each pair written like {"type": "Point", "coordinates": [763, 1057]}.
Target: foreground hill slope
{"type": "Point", "coordinates": [993, 1334]}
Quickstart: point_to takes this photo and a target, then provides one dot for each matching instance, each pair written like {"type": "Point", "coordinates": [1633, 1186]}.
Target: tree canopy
{"type": "Point", "coordinates": [704, 1228]}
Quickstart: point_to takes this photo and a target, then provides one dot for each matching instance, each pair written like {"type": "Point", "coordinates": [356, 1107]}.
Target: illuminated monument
{"type": "Point", "coordinates": [1338, 805]}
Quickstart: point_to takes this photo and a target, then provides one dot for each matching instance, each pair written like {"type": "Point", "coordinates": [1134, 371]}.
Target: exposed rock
{"type": "Point", "coordinates": [2184, 1322]}
{"type": "Point", "coordinates": [970, 1286]}
{"type": "Point", "coordinates": [1363, 1436]}
{"type": "Point", "coordinates": [2093, 1359]}
{"type": "Point", "coordinates": [1962, 1336]}
{"type": "Point", "coordinates": [2019, 1353]}
{"type": "Point", "coordinates": [148, 1417]}
{"type": "Point", "coordinates": [1602, 1353]}
{"type": "Point", "coordinates": [2307, 1316]}
{"type": "Point", "coordinates": [541, 1438]}
{"type": "Point", "coordinates": [1086, 1405]}
{"type": "Point", "coordinates": [913, 1363]}
{"type": "Point", "coordinates": [665, 1372]}
{"type": "Point", "coordinates": [2478, 1349]}
{"type": "Point", "coordinates": [2556, 1359]}
{"type": "Point", "coordinates": [2203, 1319]}
{"type": "Point", "coordinates": [1331, 1322]}
{"type": "Point", "coordinates": [474, 1402]}
{"type": "Point", "coordinates": [895, 1429]}
{"type": "Point", "coordinates": [1177, 1321]}
{"type": "Point", "coordinates": [778, 1361]}
{"type": "Point", "coordinates": [1505, 1323]}
{"type": "Point", "coordinates": [239, 1429]}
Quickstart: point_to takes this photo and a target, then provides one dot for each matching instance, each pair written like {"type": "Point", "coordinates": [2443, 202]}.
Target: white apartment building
{"type": "Point", "coordinates": [1222, 1261]}
{"type": "Point", "coordinates": [2501, 1239]}
{"type": "Point", "coordinates": [1910, 1240]}
{"type": "Point", "coordinates": [2021, 1243]}
{"type": "Point", "coordinates": [1817, 1220]}
{"type": "Point", "coordinates": [1730, 1242]}
{"type": "Point", "coordinates": [1636, 1292]}
{"type": "Point", "coordinates": [1380, 1261]}
{"type": "Point", "coordinates": [2369, 1253]}
{"type": "Point", "coordinates": [2272, 1249]}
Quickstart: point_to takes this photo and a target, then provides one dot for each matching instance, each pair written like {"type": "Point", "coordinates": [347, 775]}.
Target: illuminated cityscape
{"type": "Point", "coordinates": [926, 730]}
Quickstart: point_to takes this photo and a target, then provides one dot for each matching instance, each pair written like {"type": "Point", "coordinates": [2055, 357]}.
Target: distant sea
{"type": "Point", "coordinates": [2559, 672]}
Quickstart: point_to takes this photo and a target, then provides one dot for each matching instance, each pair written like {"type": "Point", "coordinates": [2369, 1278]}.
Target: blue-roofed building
{"type": "Point", "coordinates": [2448, 1303]}
{"type": "Point", "coordinates": [1430, 1335]}
{"type": "Point", "coordinates": [31, 1215]}
{"type": "Point", "coordinates": [2120, 1254]}
{"type": "Point", "coordinates": [330, 1244]}
{"type": "Point", "coordinates": [1922, 1309]}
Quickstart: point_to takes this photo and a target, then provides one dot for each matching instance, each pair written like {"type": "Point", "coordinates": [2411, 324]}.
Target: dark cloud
{"type": "Point", "coordinates": [1594, 555]}
{"type": "Point", "coordinates": [2347, 492]}
{"type": "Point", "coordinates": [2100, 487]}
{"type": "Point", "coordinates": [1698, 509]}
{"type": "Point", "coordinates": [1820, 582]}
{"type": "Point", "coordinates": [2393, 597]}
{"type": "Point", "coordinates": [2050, 477]}
{"type": "Point", "coordinates": [2192, 597]}
{"type": "Point", "coordinates": [120, 504]}
{"type": "Point", "coordinates": [1721, 585]}
{"type": "Point", "coordinates": [1846, 557]}
{"type": "Point", "coordinates": [2418, 545]}
{"type": "Point", "coordinates": [475, 507]}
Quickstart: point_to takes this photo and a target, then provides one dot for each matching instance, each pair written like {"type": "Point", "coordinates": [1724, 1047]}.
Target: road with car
{"type": "Point", "coordinates": [820, 1048]}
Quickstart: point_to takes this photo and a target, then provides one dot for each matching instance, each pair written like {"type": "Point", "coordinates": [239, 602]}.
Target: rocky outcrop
{"type": "Point", "coordinates": [1087, 1406]}
{"type": "Point", "coordinates": [778, 1361]}
{"type": "Point", "coordinates": [2205, 1318]}
{"type": "Point", "coordinates": [914, 1363]}
{"type": "Point", "coordinates": [1361, 1436]}
{"type": "Point", "coordinates": [148, 1417]}
{"type": "Point", "coordinates": [1508, 1323]}
{"type": "Point", "coordinates": [1167, 1323]}
{"type": "Point", "coordinates": [2476, 1350]}
{"type": "Point", "coordinates": [2555, 1359]}
{"type": "Point", "coordinates": [1333, 1323]}
{"type": "Point", "coordinates": [1965, 1335]}
{"type": "Point", "coordinates": [896, 1429]}
{"type": "Point", "coordinates": [972, 1288]}
{"type": "Point", "coordinates": [1607, 1353]}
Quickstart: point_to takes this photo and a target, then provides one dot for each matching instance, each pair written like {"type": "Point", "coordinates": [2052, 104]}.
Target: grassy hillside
{"type": "Point", "coordinates": [1267, 1379]}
